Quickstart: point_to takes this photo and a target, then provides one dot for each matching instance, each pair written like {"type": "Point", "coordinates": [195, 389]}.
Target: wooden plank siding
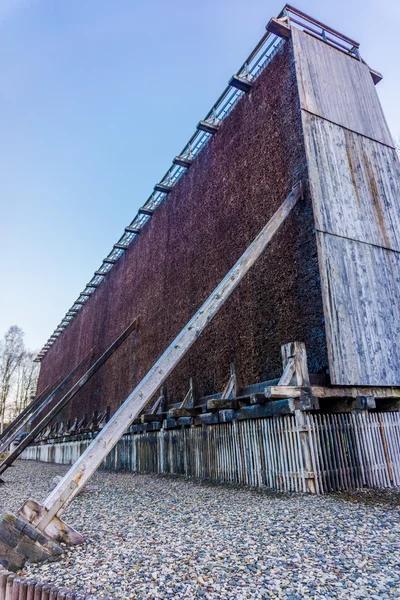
{"type": "Point", "coordinates": [354, 178]}
{"type": "Point", "coordinates": [360, 287]}
{"type": "Point", "coordinates": [338, 87]}
{"type": "Point", "coordinates": [355, 184]}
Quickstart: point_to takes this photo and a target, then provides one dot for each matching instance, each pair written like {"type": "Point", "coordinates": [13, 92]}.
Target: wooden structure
{"type": "Point", "coordinates": [336, 427]}
{"type": "Point", "coordinates": [44, 520]}
{"type": "Point", "coordinates": [13, 587]}
{"type": "Point", "coordinates": [35, 408]}
{"type": "Point", "coordinates": [59, 405]}
{"type": "Point", "coordinates": [354, 176]}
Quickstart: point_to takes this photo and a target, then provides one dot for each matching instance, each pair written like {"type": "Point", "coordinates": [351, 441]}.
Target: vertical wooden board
{"type": "Point", "coordinates": [355, 184]}
{"type": "Point", "coordinates": [338, 87]}
{"type": "Point", "coordinates": [361, 291]}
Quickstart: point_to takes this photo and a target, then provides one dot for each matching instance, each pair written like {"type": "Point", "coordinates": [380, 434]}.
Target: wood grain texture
{"type": "Point", "coordinates": [337, 87]}
{"type": "Point", "coordinates": [361, 303]}
{"type": "Point", "coordinates": [354, 182]}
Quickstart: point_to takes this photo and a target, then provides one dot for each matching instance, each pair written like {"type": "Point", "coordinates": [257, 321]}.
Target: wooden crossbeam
{"type": "Point", "coordinates": [131, 229]}
{"type": "Point", "coordinates": [182, 161]}
{"type": "Point", "coordinates": [163, 188]}
{"type": "Point", "coordinates": [241, 83]}
{"type": "Point", "coordinates": [207, 127]}
{"type": "Point", "coordinates": [279, 27]}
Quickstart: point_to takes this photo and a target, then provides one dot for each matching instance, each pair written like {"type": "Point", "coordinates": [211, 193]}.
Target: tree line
{"type": "Point", "coordinates": [18, 375]}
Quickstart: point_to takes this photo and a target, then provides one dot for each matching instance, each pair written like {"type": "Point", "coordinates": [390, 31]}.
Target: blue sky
{"type": "Point", "coordinates": [97, 98]}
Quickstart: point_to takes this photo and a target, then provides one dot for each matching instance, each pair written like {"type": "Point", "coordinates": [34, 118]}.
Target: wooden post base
{"type": "Point", "coordinates": [20, 541]}
{"type": "Point", "coordinates": [34, 513]}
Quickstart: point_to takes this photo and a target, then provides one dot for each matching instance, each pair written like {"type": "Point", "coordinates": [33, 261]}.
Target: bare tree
{"type": "Point", "coordinates": [12, 351]}
{"type": "Point", "coordinates": [25, 383]}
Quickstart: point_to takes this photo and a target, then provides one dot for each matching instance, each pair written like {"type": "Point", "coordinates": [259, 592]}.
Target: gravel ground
{"type": "Point", "coordinates": [153, 537]}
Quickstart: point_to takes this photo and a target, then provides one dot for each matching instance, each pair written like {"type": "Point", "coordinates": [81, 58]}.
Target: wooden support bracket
{"type": "Point", "coordinates": [231, 388]}
{"type": "Point", "coordinates": [279, 27]}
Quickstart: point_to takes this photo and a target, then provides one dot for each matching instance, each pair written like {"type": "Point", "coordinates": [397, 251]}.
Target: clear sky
{"type": "Point", "coordinates": [97, 97]}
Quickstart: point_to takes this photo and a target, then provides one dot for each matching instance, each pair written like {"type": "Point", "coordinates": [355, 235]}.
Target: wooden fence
{"type": "Point", "coordinates": [13, 587]}
{"type": "Point", "coordinates": [348, 451]}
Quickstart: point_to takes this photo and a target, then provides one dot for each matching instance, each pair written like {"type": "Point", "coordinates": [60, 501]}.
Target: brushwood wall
{"type": "Point", "coordinates": [235, 185]}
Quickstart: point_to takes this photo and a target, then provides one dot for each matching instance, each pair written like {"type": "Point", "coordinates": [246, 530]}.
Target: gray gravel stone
{"type": "Point", "coordinates": [151, 537]}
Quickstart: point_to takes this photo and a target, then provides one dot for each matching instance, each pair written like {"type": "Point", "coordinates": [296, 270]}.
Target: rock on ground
{"type": "Point", "coordinates": [154, 537]}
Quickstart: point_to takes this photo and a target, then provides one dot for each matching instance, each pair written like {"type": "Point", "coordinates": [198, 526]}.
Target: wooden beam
{"type": "Point", "coordinates": [121, 246]}
{"type": "Point", "coordinates": [163, 188]}
{"type": "Point", "coordinates": [285, 391]}
{"type": "Point", "coordinates": [353, 392]}
{"type": "Point", "coordinates": [297, 351]}
{"type": "Point", "coordinates": [176, 413]}
{"type": "Point", "coordinates": [241, 83]}
{"type": "Point", "coordinates": [347, 404]}
{"type": "Point", "coordinates": [131, 229]}
{"type": "Point", "coordinates": [279, 27]}
{"type": "Point", "coordinates": [222, 404]}
{"type": "Point", "coordinates": [100, 447]}
{"type": "Point", "coordinates": [206, 419]}
{"type": "Point", "coordinates": [25, 413]}
{"type": "Point", "coordinates": [152, 418]}
{"type": "Point", "coordinates": [146, 211]}
{"type": "Point", "coordinates": [189, 399]}
{"type": "Point", "coordinates": [26, 418]}
{"type": "Point", "coordinates": [288, 372]}
{"type": "Point", "coordinates": [182, 161]}
{"type": "Point", "coordinates": [300, 377]}
{"type": "Point", "coordinates": [207, 127]}
{"type": "Point", "coordinates": [109, 261]}
{"type": "Point", "coordinates": [53, 412]}
{"type": "Point", "coordinates": [232, 386]}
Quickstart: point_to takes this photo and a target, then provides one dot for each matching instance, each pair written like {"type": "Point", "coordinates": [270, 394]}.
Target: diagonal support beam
{"type": "Point", "coordinates": [44, 518]}
{"type": "Point", "coordinates": [25, 413]}
{"type": "Point", "coordinates": [67, 397]}
{"type": "Point", "coordinates": [38, 406]}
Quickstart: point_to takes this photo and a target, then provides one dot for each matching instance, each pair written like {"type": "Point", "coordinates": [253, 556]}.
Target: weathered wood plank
{"type": "Point", "coordinates": [285, 391]}
{"type": "Point", "coordinates": [354, 182]}
{"type": "Point", "coordinates": [338, 87]}
{"type": "Point", "coordinates": [361, 285]}
{"type": "Point", "coordinates": [175, 413]}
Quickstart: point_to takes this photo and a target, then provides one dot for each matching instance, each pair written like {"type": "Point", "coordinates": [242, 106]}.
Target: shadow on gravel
{"type": "Point", "coordinates": [386, 498]}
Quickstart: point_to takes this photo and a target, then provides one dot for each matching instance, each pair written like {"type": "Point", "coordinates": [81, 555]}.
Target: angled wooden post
{"type": "Point", "coordinates": [67, 398]}
{"type": "Point", "coordinates": [46, 517]}
{"type": "Point", "coordinates": [27, 410]}
{"type": "Point", "coordinates": [38, 407]}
